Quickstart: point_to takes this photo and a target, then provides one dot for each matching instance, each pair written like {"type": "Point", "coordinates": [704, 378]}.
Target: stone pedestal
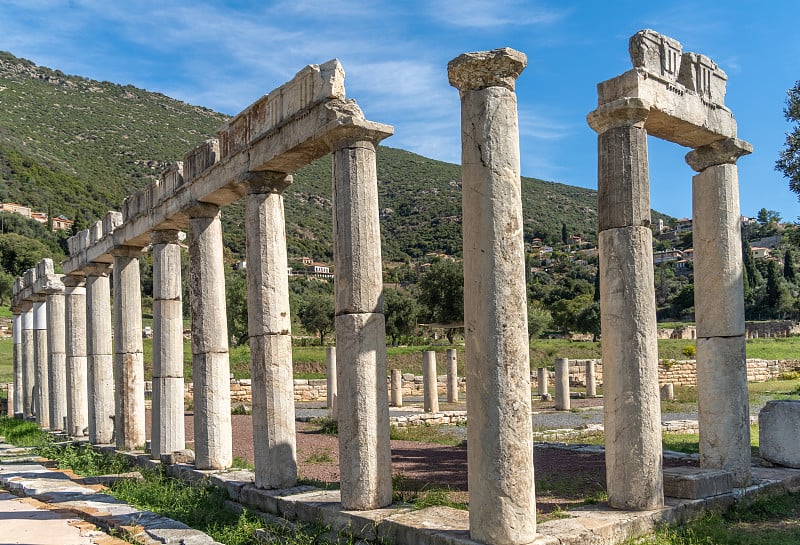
{"type": "Point", "coordinates": [722, 397]}
{"type": "Point", "coordinates": [452, 376]}
{"type": "Point", "coordinates": [591, 381]}
{"type": "Point", "coordinates": [269, 327]}
{"type": "Point", "coordinates": [430, 384]}
{"type": "Point", "coordinates": [502, 503]}
{"type": "Point", "coordinates": [628, 314]}
{"type": "Point", "coordinates": [40, 365]}
{"type": "Point", "coordinates": [77, 388]}
{"type": "Point", "coordinates": [330, 366]}
{"type": "Point", "coordinates": [211, 364]}
{"type": "Point", "coordinates": [542, 379]}
{"type": "Point", "coordinates": [28, 364]}
{"type": "Point", "coordinates": [129, 424]}
{"type": "Point", "coordinates": [168, 433]}
{"type": "Point", "coordinates": [363, 406]}
{"type": "Point", "coordinates": [100, 362]}
{"type": "Point", "coordinates": [562, 384]}
{"type": "Point", "coordinates": [397, 388]}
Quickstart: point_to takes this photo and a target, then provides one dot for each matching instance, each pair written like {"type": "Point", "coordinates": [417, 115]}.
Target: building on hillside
{"type": "Point", "coordinates": [15, 208]}
{"type": "Point", "coordinates": [665, 256]}
{"type": "Point", "coordinates": [319, 270]}
{"type": "Point", "coordinates": [683, 225]}
{"type": "Point", "coordinates": [41, 217]}
{"type": "Point", "coordinates": [62, 223]}
{"type": "Point", "coordinates": [760, 252]}
{"type": "Point", "coordinates": [306, 261]}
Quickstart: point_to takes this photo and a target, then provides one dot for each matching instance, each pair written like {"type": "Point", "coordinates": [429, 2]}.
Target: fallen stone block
{"type": "Point", "coordinates": [778, 439]}
{"type": "Point", "coordinates": [694, 483]}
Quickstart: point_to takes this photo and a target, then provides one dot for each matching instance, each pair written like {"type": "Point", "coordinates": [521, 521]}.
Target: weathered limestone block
{"type": "Point", "coordinates": [100, 361]}
{"type": "Point", "coordinates": [431, 392]}
{"type": "Point", "coordinates": [562, 384]}
{"type": "Point", "coordinates": [502, 503]}
{"type": "Point", "coordinates": [656, 53]}
{"type": "Point", "coordinates": [630, 369]}
{"type": "Point", "coordinates": [364, 453]}
{"type": "Point", "coordinates": [723, 406]}
{"type": "Point", "coordinates": [200, 159]}
{"type": "Point", "coordinates": [778, 439]}
{"type": "Point", "coordinates": [702, 75]}
{"type": "Point", "coordinates": [694, 483]}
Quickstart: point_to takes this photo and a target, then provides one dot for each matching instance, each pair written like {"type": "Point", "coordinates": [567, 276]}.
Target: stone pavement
{"type": "Point", "coordinates": [69, 511]}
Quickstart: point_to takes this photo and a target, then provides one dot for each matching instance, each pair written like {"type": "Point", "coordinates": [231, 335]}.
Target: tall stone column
{"type": "Point", "coordinates": [41, 365]}
{"type": "Point", "coordinates": [500, 457]}
{"type": "Point", "coordinates": [628, 309]}
{"type": "Point", "coordinates": [430, 383]}
{"type": "Point", "coordinates": [18, 381]}
{"type": "Point", "coordinates": [270, 331]}
{"type": "Point", "coordinates": [77, 386]}
{"type": "Point", "coordinates": [363, 404]}
{"type": "Point", "coordinates": [722, 397]}
{"type": "Point", "coordinates": [129, 417]}
{"type": "Point", "coordinates": [100, 362]}
{"type": "Point", "coordinates": [56, 357]}
{"type": "Point", "coordinates": [452, 376]}
{"type": "Point", "coordinates": [168, 433]}
{"type": "Point", "coordinates": [28, 365]}
{"type": "Point", "coordinates": [332, 390]}
{"type": "Point", "coordinates": [210, 363]}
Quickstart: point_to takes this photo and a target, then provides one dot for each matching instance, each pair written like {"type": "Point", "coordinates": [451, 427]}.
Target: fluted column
{"type": "Point", "coordinates": [28, 365]}
{"type": "Point", "coordinates": [270, 331]}
{"type": "Point", "coordinates": [129, 416]}
{"type": "Point", "coordinates": [41, 365]}
{"type": "Point", "coordinates": [363, 399]}
{"type": "Point", "coordinates": [100, 361]}
{"type": "Point", "coordinates": [211, 365]}
{"type": "Point", "coordinates": [628, 308]}
{"type": "Point", "coordinates": [56, 356]}
{"type": "Point", "coordinates": [77, 386]}
{"type": "Point", "coordinates": [168, 434]}
{"type": "Point", "coordinates": [502, 507]}
{"type": "Point", "coordinates": [722, 397]}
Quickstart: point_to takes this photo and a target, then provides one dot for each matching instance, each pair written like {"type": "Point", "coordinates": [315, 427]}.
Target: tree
{"type": "Point", "coordinates": [539, 320]}
{"type": "Point", "coordinates": [568, 314]}
{"type": "Point", "coordinates": [788, 266]}
{"type": "Point", "coordinates": [19, 253]}
{"type": "Point", "coordinates": [400, 310]}
{"type": "Point", "coordinates": [564, 236]}
{"type": "Point", "coordinates": [317, 315]}
{"type": "Point", "coordinates": [236, 304]}
{"type": "Point", "coordinates": [789, 160]}
{"type": "Point", "coordinates": [441, 292]}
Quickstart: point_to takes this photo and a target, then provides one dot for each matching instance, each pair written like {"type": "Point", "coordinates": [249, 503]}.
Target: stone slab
{"type": "Point", "coordinates": [695, 483]}
{"type": "Point", "coordinates": [778, 437]}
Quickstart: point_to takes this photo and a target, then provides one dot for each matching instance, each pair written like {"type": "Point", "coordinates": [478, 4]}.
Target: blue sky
{"type": "Point", "coordinates": [225, 54]}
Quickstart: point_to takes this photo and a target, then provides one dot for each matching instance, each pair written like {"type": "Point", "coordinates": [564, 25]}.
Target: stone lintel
{"type": "Point", "coordinates": [47, 282]}
{"type": "Point", "coordinates": [624, 112]}
{"type": "Point", "coordinates": [72, 281]}
{"type": "Point", "coordinates": [721, 152]}
{"type": "Point", "coordinates": [677, 114]}
{"type": "Point", "coordinates": [167, 236]}
{"type": "Point", "coordinates": [265, 181]}
{"type": "Point", "coordinates": [98, 269]}
{"type": "Point", "coordinates": [482, 69]}
{"type": "Point", "coordinates": [127, 251]}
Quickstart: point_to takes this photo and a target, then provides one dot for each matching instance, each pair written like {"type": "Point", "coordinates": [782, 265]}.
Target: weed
{"type": "Point", "coordinates": [241, 463]}
{"type": "Point", "coordinates": [320, 458]}
{"type": "Point", "coordinates": [328, 426]}
{"type": "Point", "coordinates": [424, 434]}
{"type": "Point", "coordinates": [23, 433]}
{"type": "Point", "coordinates": [422, 495]}
{"type": "Point", "coordinates": [84, 460]}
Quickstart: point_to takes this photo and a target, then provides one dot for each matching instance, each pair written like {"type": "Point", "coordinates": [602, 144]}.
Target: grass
{"type": "Point", "coordinates": [23, 433]}
{"type": "Point", "coordinates": [425, 434]}
{"type": "Point", "coordinates": [422, 495]}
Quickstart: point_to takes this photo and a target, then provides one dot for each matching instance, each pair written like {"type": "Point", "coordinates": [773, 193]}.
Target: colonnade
{"type": "Point", "coordinates": [253, 158]}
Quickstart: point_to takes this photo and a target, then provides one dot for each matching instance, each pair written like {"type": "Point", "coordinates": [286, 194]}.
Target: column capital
{"type": "Point", "coordinates": [482, 69]}
{"type": "Point", "coordinates": [625, 112]}
{"type": "Point", "coordinates": [73, 281]}
{"type": "Point", "coordinates": [97, 269]}
{"type": "Point", "coordinates": [166, 236]}
{"type": "Point", "coordinates": [721, 152]}
{"type": "Point", "coordinates": [266, 181]}
{"type": "Point", "coordinates": [126, 251]}
{"type": "Point", "coordinates": [202, 210]}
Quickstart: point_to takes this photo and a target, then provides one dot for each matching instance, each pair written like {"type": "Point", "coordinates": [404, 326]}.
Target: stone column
{"type": "Point", "coordinates": [41, 365]}
{"type": "Point", "coordinates": [210, 363]}
{"type": "Point", "coordinates": [591, 381]}
{"type": "Point", "coordinates": [430, 383]}
{"type": "Point", "coordinates": [562, 384]}
{"type": "Point", "coordinates": [667, 392]}
{"type": "Point", "coordinates": [452, 376]}
{"type": "Point", "coordinates": [632, 408]}
{"type": "Point", "coordinates": [56, 357]}
{"type": "Point", "coordinates": [542, 379]}
{"type": "Point", "coordinates": [363, 406]}
{"type": "Point", "coordinates": [18, 389]}
{"type": "Point", "coordinates": [100, 362]}
{"type": "Point", "coordinates": [397, 388]}
{"type": "Point", "coordinates": [168, 434]}
{"type": "Point", "coordinates": [77, 387]}
{"type": "Point", "coordinates": [129, 417]}
{"type": "Point", "coordinates": [330, 366]}
{"type": "Point", "coordinates": [722, 398]}
{"type": "Point", "coordinates": [270, 331]}
{"type": "Point", "coordinates": [499, 435]}
{"type": "Point", "coordinates": [28, 365]}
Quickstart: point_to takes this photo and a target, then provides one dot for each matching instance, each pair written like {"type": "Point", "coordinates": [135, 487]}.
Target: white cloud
{"type": "Point", "coordinates": [488, 13]}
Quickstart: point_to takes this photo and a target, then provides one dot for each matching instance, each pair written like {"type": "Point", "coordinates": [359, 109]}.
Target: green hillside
{"type": "Point", "coordinates": [74, 146]}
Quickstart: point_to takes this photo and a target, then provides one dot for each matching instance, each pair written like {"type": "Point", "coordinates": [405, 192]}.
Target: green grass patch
{"type": "Point", "coordinates": [425, 434]}
{"type": "Point", "coordinates": [84, 460]}
{"type": "Point", "coordinates": [23, 433]}
{"type": "Point", "coordinates": [421, 495]}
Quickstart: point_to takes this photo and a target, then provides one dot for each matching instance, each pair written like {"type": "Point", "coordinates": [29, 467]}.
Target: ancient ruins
{"type": "Point", "coordinates": [67, 377]}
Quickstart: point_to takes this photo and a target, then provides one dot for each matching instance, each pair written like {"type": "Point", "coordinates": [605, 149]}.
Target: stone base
{"type": "Point", "coordinates": [694, 483]}
{"type": "Point", "coordinates": [779, 442]}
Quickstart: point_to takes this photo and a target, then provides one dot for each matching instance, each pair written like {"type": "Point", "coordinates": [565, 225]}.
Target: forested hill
{"type": "Point", "coordinates": [74, 146]}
